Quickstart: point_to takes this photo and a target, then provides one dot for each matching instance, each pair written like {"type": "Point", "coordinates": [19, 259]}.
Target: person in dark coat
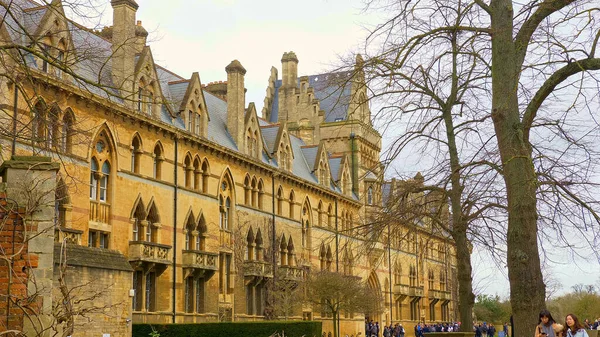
{"type": "Point", "coordinates": [478, 330]}
{"type": "Point", "coordinates": [491, 330]}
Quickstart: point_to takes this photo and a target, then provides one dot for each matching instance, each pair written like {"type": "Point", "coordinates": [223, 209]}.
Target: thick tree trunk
{"type": "Point", "coordinates": [524, 271]}
{"type": "Point", "coordinates": [466, 298]}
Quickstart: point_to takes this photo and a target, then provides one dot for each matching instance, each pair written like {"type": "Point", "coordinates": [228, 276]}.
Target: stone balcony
{"type": "Point", "coordinates": [291, 273]}
{"type": "Point", "coordinates": [401, 289]}
{"type": "Point", "coordinates": [150, 252]}
{"type": "Point", "coordinates": [199, 260]}
{"type": "Point", "coordinates": [414, 291]}
{"type": "Point", "coordinates": [439, 294]}
{"type": "Point", "coordinates": [258, 269]}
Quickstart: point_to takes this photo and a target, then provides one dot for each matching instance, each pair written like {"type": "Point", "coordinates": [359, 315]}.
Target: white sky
{"type": "Point", "coordinates": [205, 36]}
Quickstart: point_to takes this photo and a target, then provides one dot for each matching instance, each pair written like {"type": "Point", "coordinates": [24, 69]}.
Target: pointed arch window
{"type": "Point", "coordinates": [254, 191]}
{"type": "Point", "coordinates": [290, 252]}
{"type": "Point", "coordinates": [205, 174]}
{"type": "Point", "coordinates": [60, 58]}
{"type": "Point", "coordinates": [157, 161]}
{"type": "Point", "coordinates": [139, 216]}
{"type": "Point", "coordinates": [46, 47]}
{"type": "Point", "coordinates": [442, 280]}
{"type": "Point", "coordinates": [140, 98]}
{"type": "Point", "coordinates": [280, 201]}
{"type": "Point", "coordinates": [136, 154]}
{"type": "Point", "coordinates": [225, 205]}
{"type": "Point", "coordinates": [149, 102]}
{"type": "Point", "coordinates": [320, 216]}
{"type": "Point", "coordinates": [197, 174]}
{"type": "Point", "coordinates": [431, 280]}
{"type": "Point", "coordinates": [249, 148]}
{"type": "Point", "coordinates": [153, 224]}
{"type": "Point", "coordinates": [197, 124]}
{"type": "Point", "coordinates": [283, 160]}
{"type": "Point", "coordinates": [370, 195]}
{"type": "Point", "coordinates": [412, 276]}
{"type": "Point", "coordinates": [247, 191]}
{"type": "Point", "coordinates": [397, 273]}
{"type": "Point", "coordinates": [100, 172]}
{"type": "Point", "coordinates": [201, 239]}
{"type": "Point", "coordinates": [94, 178]}
{"type": "Point", "coordinates": [188, 171]}
{"type": "Point", "coordinates": [256, 149]}
{"type": "Point", "coordinates": [104, 181]}
{"type": "Point", "coordinates": [67, 131]}
{"type": "Point", "coordinates": [190, 120]}
{"type": "Point", "coordinates": [190, 227]}
{"type": "Point", "coordinates": [38, 124]}
{"type": "Point", "coordinates": [53, 128]}
{"type": "Point", "coordinates": [292, 204]}
{"type": "Point", "coordinates": [261, 193]}
{"type": "Point", "coordinates": [250, 244]}
{"type": "Point", "coordinates": [283, 251]}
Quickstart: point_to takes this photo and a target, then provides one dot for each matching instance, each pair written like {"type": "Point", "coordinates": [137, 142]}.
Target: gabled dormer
{"type": "Point", "coordinates": [53, 39]}
{"type": "Point", "coordinates": [254, 139]}
{"type": "Point", "coordinates": [322, 168]}
{"type": "Point", "coordinates": [146, 85]}
{"type": "Point", "coordinates": [193, 108]}
{"type": "Point", "coordinates": [283, 149]}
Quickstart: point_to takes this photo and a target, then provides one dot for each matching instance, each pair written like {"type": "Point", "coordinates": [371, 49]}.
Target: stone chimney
{"type": "Point", "coordinates": [141, 34]}
{"type": "Point", "coordinates": [236, 101]}
{"type": "Point", "coordinates": [289, 68]}
{"type": "Point", "coordinates": [124, 43]}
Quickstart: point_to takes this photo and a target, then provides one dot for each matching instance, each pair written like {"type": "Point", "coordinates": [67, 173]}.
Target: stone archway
{"type": "Point", "coordinates": [374, 284]}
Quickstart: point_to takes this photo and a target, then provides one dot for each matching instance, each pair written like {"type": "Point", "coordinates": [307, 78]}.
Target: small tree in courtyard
{"type": "Point", "coordinates": [336, 293]}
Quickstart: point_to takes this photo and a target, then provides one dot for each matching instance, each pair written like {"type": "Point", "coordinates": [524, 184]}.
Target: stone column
{"type": "Point", "coordinates": [31, 183]}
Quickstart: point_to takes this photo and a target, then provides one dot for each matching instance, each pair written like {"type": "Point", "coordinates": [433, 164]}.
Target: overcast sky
{"type": "Point", "coordinates": [204, 36]}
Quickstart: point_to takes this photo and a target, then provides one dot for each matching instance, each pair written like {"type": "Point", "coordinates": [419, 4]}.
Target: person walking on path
{"type": "Point", "coordinates": [547, 326]}
{"type": "Point", "coordinates": [574, 328]}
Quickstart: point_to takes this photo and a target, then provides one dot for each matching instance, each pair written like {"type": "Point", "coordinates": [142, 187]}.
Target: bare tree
{"type": "Point", "coordinates": [336, 293]}
{"type": "Point", "coordinates": [501, 95]}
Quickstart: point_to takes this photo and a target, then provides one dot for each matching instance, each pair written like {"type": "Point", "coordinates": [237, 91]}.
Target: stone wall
{"type": "Point", "coordinates": [99, 281]}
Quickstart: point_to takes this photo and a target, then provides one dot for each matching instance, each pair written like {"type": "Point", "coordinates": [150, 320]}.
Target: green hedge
{"type": "Point", "coordinates": [234, 329]}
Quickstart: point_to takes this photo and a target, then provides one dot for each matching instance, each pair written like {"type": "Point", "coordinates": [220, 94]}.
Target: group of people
{"type": "Point", "coordinates": [488, 330]}
{"type": "Point", "coordinates": [548, 327]}
{"type": "Point", "coordinates": [373, 329]}
{"type": "Point", "coordinates": [397, 330]}
{"type": "Point", "coordinates": [421, 328]}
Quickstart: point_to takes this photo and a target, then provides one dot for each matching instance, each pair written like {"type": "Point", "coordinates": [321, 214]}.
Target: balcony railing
{"type": "Point", "coordinates": [258, 268]}
{"type": "Point", "coordinates": [402, 289]}
{"type": "Point", "coordinates": [415, 291]}
{"type": "Point", "coordinates": [99, 211]}
{"type": "Point", "coordinates": [150, 252]}
{"type": "Point", "coordinates": [291, 273]}
{"type": "Point", "coordinates": [199, 260]}
{"type": "Point", "coordinates": [439, 294]}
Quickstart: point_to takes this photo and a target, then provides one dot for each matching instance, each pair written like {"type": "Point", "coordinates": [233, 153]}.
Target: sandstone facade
{"type": "Point", "coordinates": [198, 192]}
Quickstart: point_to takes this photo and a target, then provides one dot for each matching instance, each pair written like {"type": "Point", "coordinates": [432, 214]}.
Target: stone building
{"type": "Point", "coordinates": [203, 196]}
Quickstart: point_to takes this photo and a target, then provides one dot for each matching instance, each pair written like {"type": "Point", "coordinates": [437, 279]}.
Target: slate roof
{"type": "Point", "coordinates": [310, 153]}
{"type": "Point", "coordinates": [335, 165]}
{"type": "Point", "coordinates": [333, 90]}
{"type": "Point", "coordinates": [94, 65]}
